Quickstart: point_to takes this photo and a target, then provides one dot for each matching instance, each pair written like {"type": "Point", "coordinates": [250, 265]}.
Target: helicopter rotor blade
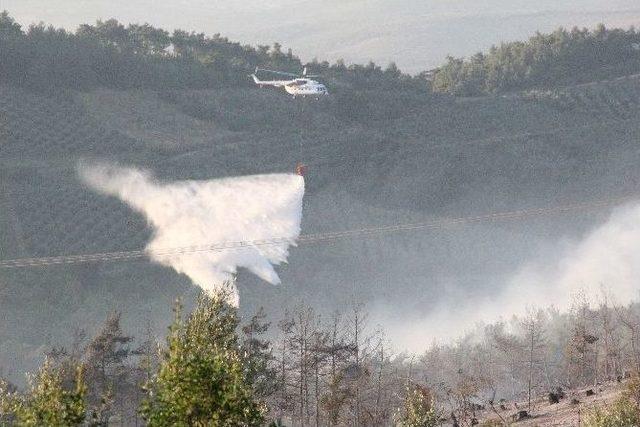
{"type": "Point", "coordinates": [277, 72]}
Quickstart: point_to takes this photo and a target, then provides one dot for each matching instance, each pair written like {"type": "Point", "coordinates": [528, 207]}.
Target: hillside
{"type": "Point", "coordinates": [382, 149]}
{"type": "Point", "coordinates": [570, 411]}
{"type": "Point", "coordinates": [405, 159]}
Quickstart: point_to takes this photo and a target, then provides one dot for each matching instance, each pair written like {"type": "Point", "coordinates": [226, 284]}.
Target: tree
{"type": "Point", "coordinates": [107, 373]}
{"type": "Point", "coordinates": [545, 60]}
{"type": "Point", "coordinates": [47, 402]}
{"type": "Point", "coordinates": [357, 372]}
{"type": "Point", "coordinates": [8, 26]}
{"type": "Point", "coordinates": [7, 402]}
{"type": "Point", "coordinates": [297, 368]}
{"type": "Point", "coordinates": [581, 351]}
{"type": "Point", "coordinates": [142, 372]}
{"type": "Point", "coordinates": [611, 340]}
{"type": "Point", "coordinates": [384, 384]}
{"type": "Point", "coordinates": [534, 344]}
{"type": "Point", "coordinates": [631, 323]}
{"type": "Point", "coordinates": [202, 377]}
{"type": "Point", "coordinates": [419, 409]}
{"type": "Point", "coordinates": [338, 352]}
{"type": "Point", "coordinates": [114, 34]}
{"type": "Point", "coordinates": [258, 356]}
{"type": "Point", "coordinates": [147, 40]}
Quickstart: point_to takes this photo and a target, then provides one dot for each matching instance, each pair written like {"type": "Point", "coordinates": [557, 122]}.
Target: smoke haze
{"type": "Point", "coordinates": [194, 213]}
{"type": "Point", "coordinates": [191, 213]}
{"type": "Point", "coordinates": [604, 261]}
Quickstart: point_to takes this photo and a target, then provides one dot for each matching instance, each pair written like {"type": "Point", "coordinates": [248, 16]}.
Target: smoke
{"type": "Point", "coordinates": [605, 261]}
{"type": "Point", "coordinates": [194, 213]}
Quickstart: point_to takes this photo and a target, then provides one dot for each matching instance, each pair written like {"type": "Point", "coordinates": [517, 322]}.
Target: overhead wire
{"type": "Point", "coordinates": [441, 223]}
{"type": "Point", "coordinates": [321, 237]}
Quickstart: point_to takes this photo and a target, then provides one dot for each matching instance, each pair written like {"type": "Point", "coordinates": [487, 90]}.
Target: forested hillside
{"type": "Point", "coordinates": [543, 369]}
{"type": "Point", "coordinates": [544, 61]}
{"type": "Point", "coordinates": [108, 54]}
{"type": "Point", "coordinates": [383, 149]}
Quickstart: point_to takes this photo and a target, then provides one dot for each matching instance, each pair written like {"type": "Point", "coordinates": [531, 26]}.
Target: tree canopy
{"type": "Point", "coordinates": [545, 60]}
{"type": "Point", "coordinates": [110, 54]}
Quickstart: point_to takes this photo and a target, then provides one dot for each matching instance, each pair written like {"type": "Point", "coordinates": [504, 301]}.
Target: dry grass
{"type": "Point", "coordinates": [565, 413]}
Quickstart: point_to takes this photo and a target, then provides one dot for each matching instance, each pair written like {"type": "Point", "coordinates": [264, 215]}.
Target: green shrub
{"type": "Point", "coordinates": [47, 402]}
{"type": "Point", "coordinates": [622, 413]}
{"type": "Point", "coordinates": [419, 409]}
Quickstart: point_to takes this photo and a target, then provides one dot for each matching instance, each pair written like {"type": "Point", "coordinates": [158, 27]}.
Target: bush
{"type": "Point", "coordinates": [623, 413]}
{"type": "Point", "coordinates": [47, 402]}
{"type": "Point", "coordinates": [419, 409]}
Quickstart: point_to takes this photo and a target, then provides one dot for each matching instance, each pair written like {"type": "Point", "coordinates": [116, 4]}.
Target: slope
{"type": "Point", "coordinates": [375, 158]}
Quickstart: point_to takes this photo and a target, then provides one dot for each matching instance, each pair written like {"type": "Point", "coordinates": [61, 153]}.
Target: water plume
{"type": "Point", "coordinates": [195, 213]}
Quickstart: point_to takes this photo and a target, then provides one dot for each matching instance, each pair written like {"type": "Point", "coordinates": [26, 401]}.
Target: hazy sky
{"type": "Point", "coordinates": [416, 34]}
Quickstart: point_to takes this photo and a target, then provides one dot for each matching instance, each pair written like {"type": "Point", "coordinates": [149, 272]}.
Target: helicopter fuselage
{"type": "Point", "coordinates": [304, 87]}
{"type": "Point", "coordinates": [297, 87]}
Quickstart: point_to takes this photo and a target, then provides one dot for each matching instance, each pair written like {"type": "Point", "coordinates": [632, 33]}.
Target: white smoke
{"type": "Point", "coordinates": [606, 260]}
{"type": "Point", "coordinates": [195, 213]}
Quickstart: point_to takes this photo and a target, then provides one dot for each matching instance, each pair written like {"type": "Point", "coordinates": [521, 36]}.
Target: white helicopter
{"type": "Point", "coordinates": [296, 85]}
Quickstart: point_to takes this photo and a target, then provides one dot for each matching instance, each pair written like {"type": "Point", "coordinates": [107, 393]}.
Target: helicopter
{"type": "Point", "coordinates": [295, 85]}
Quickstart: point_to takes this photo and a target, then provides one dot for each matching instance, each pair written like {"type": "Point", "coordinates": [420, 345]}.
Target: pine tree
{"type": "Point", "coordinates": [107, 371]}
{"type": "Point", "coordinates": [202, 377]}
{"type": "Point", "coordinates": [258, 355]}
